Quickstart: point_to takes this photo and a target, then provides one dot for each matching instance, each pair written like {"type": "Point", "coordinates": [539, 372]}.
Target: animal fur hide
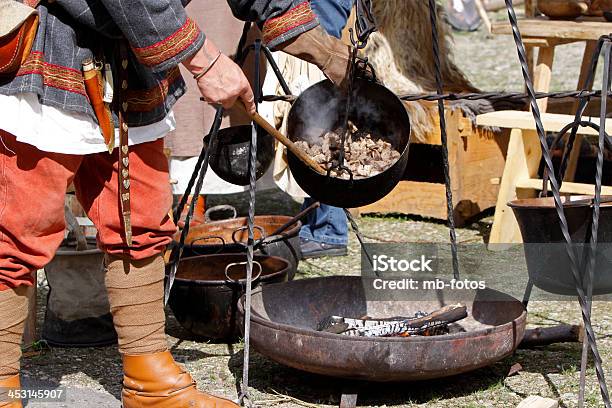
{"type": "Point", "coordinates": [402, 56]}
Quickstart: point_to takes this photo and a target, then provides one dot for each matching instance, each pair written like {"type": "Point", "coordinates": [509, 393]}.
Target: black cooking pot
{"type": "Point", "coordinates": [230, 236]}
{"type": "Point", "coordinates": [374, 108]}
{"type": "Point", "coordinates": [230, 159]}
{"type": "Point", "coordinates": [548, 264]}
{"type": "Point", "coordinates": [204, 297]}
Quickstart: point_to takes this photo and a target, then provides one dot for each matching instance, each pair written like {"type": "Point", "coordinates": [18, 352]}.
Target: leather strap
{"type": "Point", "coordinates": [124, 161]}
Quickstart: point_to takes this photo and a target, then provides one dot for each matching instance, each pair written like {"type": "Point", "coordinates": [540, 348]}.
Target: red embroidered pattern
{"type": "Point", "coordinates": [169, 47]}
{"type": "Point", "coordinates": [71, 80]}
{"type": "Point", "coordinates": [297, 16]}
{"type": "Point", "coordinates": [147, 100]}
{"type": "Point", "coordinates": [53, 75]}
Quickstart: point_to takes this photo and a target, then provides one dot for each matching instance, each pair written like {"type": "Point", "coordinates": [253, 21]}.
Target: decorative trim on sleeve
{"type": "Point", "coordinates": [169, 47]}
{"type": "Point", "coordinates": [145, 100]}
{"type": "Point", "coordinates": [293, 19]}
{"type": "Point", "coordinates": [55, 76]}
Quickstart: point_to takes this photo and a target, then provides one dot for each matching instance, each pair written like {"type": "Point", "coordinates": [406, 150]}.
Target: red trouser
{"type": "Point", "coordinates": [33, 184]}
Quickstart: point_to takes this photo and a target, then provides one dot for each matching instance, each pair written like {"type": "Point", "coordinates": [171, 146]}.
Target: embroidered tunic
{"type": "Point", "coordinates": [160, 36]}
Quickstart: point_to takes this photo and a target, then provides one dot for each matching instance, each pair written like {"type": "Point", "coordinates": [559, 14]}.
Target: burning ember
{"type": "Point", "coordinates": [421, 324]}
{"type": "Point", "coordinates": [365, 156]}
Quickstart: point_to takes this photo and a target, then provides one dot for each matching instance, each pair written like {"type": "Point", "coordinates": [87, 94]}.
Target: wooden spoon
{"type": "Point", "coordinates": [257, 118]}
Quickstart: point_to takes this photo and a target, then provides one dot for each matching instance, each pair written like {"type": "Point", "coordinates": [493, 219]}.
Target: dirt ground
{"type": "Point", "coordinates": [490, 62]}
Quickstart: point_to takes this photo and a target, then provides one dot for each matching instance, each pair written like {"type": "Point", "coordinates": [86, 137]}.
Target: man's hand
{"type": "Point", "coordinates": [224, 82]}
{"type": "Point", "coordinates": [328, 53]}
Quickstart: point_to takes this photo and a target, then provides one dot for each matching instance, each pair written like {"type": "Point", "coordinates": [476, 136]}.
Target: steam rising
{"type": "Point", "coordinates": [322, 108]}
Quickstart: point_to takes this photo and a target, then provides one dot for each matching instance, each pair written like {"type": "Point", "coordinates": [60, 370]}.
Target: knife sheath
{"type": "Point", "coordinates": [94, 87]}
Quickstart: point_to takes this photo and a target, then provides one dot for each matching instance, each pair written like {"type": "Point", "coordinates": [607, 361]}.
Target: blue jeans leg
{"type": "Point", "coordinates": [326, 224]}
{"type": "Point", "coordinates": [332, 14]}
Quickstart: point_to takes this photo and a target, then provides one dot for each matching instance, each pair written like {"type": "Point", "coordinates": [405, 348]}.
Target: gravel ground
{"type": "Point", "coordinates": [93, 375]}
{"type": "Point", "coordinates": [491, 62]}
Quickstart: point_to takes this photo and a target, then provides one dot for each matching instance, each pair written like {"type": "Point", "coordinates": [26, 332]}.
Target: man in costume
{"type": "Point", "coordinates": [50, 137]}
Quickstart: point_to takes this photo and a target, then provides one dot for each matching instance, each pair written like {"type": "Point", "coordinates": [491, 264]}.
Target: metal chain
{"type": "Point", "coordinates": [590, 274]}
{"type": "Point", "coordinates": [450, 209]}
{"type": "Point", "coordinates": [360, 237]}
{"type": "Point", "coordinates": [558, 204]}
{"type": "Point", "coordinates": [198, 173]}
{"type": "Point", "coordinates": [497, 96]}
{"type": "Point", "coordinates": [584, 101]}
{"type": "Point", "coordinates": [244, 387]}
{"type": "Point", "coordinates": [472, 96]}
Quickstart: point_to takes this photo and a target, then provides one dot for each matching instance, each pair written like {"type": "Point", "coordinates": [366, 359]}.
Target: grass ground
{"type": "Point", "coordinates": [549, 371]}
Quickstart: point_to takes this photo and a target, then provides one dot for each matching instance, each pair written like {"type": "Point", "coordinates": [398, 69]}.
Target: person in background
{"type": "Point", "coordinates": [325, 232]}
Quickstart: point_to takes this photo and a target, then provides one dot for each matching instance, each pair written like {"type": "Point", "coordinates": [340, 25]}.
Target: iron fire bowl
{"type": "Point", "coordinates": [284, 316]}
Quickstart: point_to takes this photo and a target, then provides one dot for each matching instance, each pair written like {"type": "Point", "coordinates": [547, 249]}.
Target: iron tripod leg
{"type": "Point", "coordinates": [527, 294]}
{"type": "Point", "coordinates": [584, 299]}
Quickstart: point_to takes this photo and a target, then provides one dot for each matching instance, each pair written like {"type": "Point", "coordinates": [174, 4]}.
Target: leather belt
{"type": "Point", "coordinates": [124, 161]}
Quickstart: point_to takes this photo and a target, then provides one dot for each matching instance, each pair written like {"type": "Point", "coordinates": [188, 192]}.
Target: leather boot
{"type": "Point", "coordinates": [10, 382]}
{"type": "Point", "coordinates": [317, 47]}
{"type": "Point", "coordinates": [156, 381]}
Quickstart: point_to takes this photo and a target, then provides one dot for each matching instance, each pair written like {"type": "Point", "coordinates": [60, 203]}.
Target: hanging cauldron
{"type": "Point", "coordinates": [375, 109]}
{"type": "Point", "coordinates": [230, 160]}
{"type": "Point", "coordinates": [77, 312]}
{"type": "Point", "coordinates": [548, 264]}
{"type": "Point", "coordinates": [230, 236]}
{"type": "Point", "coordinates": [285, 315]}
{"type": "Point", "coordinates": [204, 297]}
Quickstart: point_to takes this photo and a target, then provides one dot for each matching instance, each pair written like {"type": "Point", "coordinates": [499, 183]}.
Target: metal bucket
{"type": "Point", "coordinates": [285, 315]}
{"type": "Point", "coordinates": [77, 312]}
{"type": "Point", "coordinates": [548, 264]}
{"type": "Point", "coordinates": [204, 297]}
{"type": "Point", "coordinates": [374, 108]}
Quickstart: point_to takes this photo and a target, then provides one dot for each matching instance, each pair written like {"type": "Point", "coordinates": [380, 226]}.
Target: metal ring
{"type": "Point", "coordinates": [257, 227]}
{"type": "Point", "coordinates": [230, 265]}
{"type": "Point", "coordinates": [192, 243]}
{"type": "Point", "coordinates": [222, 207]}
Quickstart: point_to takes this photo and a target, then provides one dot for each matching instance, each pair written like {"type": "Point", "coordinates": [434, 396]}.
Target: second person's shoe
{"type": "Point", "coordinates": [315, 249]}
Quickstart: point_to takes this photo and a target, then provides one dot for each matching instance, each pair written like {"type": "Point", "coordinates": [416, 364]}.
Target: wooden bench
{"type": "Point", "coordinates": [520, 175]}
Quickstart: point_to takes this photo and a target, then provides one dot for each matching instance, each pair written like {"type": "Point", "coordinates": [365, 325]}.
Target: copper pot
{"type": "Point", "coordinates": [231, 236]}
{"type": "Point", "coordinates": [563, 9]}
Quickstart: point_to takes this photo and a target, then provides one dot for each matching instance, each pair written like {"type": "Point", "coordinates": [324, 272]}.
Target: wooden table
{"type": "Point", "coordinates": [545, 35]}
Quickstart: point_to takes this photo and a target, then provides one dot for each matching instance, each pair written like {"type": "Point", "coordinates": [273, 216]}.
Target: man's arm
{"type": "Point", "coordinates": [279, 20]}
{"type": "Point", "coordinates": [159, 32]}
{"type": "Point", "coordinates": [291, 26]}
{"type": "Point", "coordinates": [161, 36]}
